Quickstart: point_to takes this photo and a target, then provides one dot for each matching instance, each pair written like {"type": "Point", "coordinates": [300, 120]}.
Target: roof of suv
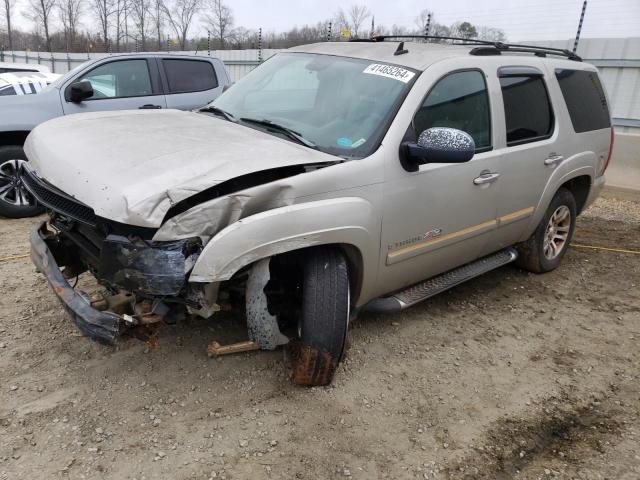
{"type": "Point", "coordinates": [419, 56]}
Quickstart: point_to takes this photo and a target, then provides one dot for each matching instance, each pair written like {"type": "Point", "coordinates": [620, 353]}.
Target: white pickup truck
{"type": "Point", "coordinates": [116, 82]}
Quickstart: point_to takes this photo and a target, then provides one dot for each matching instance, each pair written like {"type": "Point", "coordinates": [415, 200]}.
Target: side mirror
{"type": "Point", "coordinates": [80, 91]}
{"type": "Point", "coordinates": [437, 145]}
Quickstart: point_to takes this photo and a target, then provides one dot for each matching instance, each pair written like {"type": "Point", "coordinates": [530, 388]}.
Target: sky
{"type": "Point", "coordinates": [520, 19]}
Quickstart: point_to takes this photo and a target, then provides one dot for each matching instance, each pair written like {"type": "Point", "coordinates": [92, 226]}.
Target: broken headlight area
{"type": "Point", "coordinates": [148, 268]}
{"type": "Point", "coordinates": [144, 281]}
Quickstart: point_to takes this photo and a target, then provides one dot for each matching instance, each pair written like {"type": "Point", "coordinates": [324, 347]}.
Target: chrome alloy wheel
{"type": "Point", "coordinates": [557, 232]}
{"type": "Point", "coordinates": [12, 190]}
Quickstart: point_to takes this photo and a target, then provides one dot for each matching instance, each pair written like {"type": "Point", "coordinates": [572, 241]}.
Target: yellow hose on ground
{"type": "Point", "coordinates": [606, 249]}
{"type": "Point", "coordinates": [14, 257]}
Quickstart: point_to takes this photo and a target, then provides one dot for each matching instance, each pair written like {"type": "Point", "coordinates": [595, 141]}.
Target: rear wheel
{"type": "Point", "coordinates": [324, 317]}
{"type": "Point", "coordinates": [15, 199]}
{"type": "Point", "coordinates": [543, 251]}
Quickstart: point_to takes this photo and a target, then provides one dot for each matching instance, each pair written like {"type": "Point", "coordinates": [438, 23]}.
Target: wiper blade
{"type": "Point", "coordinates": [281, 128]}
{"type": "Point", "coordinates": [219, 112]}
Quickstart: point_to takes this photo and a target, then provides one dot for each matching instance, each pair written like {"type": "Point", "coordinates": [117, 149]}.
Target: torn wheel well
{"type": "Point", "coordinates": [285, 264]}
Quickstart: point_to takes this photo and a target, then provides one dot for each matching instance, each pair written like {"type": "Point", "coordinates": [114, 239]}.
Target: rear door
{"type": "Point", "coordinates": [189, 83]}
{"type": "Point", "coordinates": [529, 153]}
{"type": "Point", "coordinates": [120, 84]}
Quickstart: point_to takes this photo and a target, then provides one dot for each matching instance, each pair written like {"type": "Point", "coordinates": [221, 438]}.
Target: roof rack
{"type": "Point", "coordinates": [484, 47]}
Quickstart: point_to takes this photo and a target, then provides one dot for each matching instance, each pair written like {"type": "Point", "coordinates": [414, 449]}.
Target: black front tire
{"type": "Point", "coordinates": [10, 202]}
{"type": "Point", "coordinates": [532, 252]}
{"type": "Point", "coordinates": [324, 319]}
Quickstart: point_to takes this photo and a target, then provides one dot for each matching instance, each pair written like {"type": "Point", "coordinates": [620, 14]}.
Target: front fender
{"type": "Point", "coordinates": [350, 221]}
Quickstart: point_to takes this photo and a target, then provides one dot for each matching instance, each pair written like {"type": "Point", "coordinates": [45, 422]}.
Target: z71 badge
{"type": "Point", "coordinates": [433, 233]}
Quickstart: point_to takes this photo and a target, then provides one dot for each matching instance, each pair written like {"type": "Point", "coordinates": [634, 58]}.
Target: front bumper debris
{"type": "Point", "coordinates": [101, 326]}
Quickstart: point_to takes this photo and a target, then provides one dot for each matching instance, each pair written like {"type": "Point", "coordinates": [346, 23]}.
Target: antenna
{"type": "Point", "coordinates": [584, 9]}
{"type": "Point", "coordinates": [401, 50]}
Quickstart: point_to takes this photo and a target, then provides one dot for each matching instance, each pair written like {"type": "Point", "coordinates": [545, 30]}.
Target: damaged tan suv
{"type": "Point", "coordinates": [333, 178]}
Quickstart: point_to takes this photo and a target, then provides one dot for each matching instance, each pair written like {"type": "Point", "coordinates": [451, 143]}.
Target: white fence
{"type": "Point", "coordinates": [238, 62]}
{"type": "Point", "coordinates": [617, 58]}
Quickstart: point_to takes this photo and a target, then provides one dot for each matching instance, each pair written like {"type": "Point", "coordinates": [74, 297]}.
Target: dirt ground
{"type": "Point", "coordinates": [510, 375]}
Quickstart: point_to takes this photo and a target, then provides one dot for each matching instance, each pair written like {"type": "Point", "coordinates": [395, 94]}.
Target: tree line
{"type": "Point", "coordinates": [144, 25]}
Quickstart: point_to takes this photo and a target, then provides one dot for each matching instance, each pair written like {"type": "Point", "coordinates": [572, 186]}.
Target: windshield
{"type": "Point", "coordinates": [342, 105]}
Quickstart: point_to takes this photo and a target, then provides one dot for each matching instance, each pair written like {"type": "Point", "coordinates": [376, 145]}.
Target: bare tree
{"type": "Point", "coordinates": [491, 34]}
{"type": "Point", "coordinates": [464, 30]}
{"type": "Point", "coordinates": [423, 20]}
{"type": "Point", "coordinates": [104, 10]}
{"type": "Point", "coordinates": [140, 14]}
{"type": "Point", "coordinates": [220, 20]}
{"type": "Point", "coordinates": [158, 13]}
{"type": "Point", "coordinates": [8, 6]}
{"type": "Point", "coordinates": [358, 15]}
{"type": "Point", "coordinates": [120, 12]}
{"type": "Point", "coordinates": [180, 15]}
{"type": "Point", "coordinates": [39, 12]}
{"type": "Point", "coordinates": [399, 30]}
{"type": "Point", "coordinates": [340, 21]}
{"type": "Point", "coordinates": [70, 11]}
{"type": "Point", "coordinates": [439, 30]}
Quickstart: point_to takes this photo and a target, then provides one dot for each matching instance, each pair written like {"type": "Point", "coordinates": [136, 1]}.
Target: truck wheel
{"type": "Point", "coordinates": [15, 199]}
{"type": "Point", "coordinates": [324, 317]}
{"type": "Point", "coordinates": [543, 251]}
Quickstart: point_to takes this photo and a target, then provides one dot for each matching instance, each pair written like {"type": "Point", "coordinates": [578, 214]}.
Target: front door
{"type": "Point", "coordinates": [442, 215]}
{"type": "Point", "coordinates": [119, 85]}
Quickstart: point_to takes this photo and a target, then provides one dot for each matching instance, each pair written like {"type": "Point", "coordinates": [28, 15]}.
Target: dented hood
{"type": "Point", "coordinates": [132, 166]}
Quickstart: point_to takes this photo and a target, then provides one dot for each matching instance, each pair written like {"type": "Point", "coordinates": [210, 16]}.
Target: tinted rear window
{"type": "Point", "coordinates": [586, 102]}
{"type": "Point", "coordinates": [527, 109]}
{"type": "Point", "coordinates": [189, 75]}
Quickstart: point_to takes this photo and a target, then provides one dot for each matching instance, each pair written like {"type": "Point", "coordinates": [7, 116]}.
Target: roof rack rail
{"type": "Point", "coordinates": [484, 47]}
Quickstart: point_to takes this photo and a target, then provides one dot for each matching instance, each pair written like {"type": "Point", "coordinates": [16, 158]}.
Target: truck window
{"type": "Point", "coordinates": [189, 75]}
{"type": "Point", "coordinates": [123, 78]}
{"type": "Point", "coordinates": [585, 99]}
{"type": "Point", "coordinates": [527, 109]}
{"type": "Point", "coordinates": [459, 100]}
{"type": "Point", "coordinates": [6, 90]}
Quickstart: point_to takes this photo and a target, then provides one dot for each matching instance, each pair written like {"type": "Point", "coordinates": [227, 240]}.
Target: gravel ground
{"type": "Point", "coordinates": [510, 375]}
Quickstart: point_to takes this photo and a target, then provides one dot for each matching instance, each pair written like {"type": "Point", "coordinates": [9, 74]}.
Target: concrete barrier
{"type": "Point", "coordinates": [624, 169]}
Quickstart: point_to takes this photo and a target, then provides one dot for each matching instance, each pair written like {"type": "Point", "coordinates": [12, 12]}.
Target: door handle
{"type": "Point", "coordinates": [553, 159]}
{"type": "Point", "coordinates": [486, 178]}
{"type": "Point", "coordinates": [148, 106]}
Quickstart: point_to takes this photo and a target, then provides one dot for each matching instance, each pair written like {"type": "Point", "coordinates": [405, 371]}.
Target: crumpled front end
{"type": "Point", "coordinates": [143, 281]}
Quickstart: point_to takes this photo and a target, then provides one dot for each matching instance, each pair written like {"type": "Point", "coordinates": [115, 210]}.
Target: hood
{"type": "Point", "coordinates": [132, 166]}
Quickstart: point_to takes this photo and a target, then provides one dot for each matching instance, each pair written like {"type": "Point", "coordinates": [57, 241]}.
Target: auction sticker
{"type": "Point", "coordinates": [390, 71]}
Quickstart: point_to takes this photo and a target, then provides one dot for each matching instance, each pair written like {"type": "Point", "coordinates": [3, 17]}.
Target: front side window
{"type": "Point", "coordinates": [189, 75]}
{"type": "Point", "coordinates": [124, 78]}
{"type": "Point", "coordinates": [460, 100]}
{"type": "Point", "coordinates": [527, 109]}
{"type": "Point", "coordinates": [341, 105]}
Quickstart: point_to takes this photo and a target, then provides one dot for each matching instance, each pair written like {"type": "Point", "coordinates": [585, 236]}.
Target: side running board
{"type": "Point", "coordinates": [433, 286]}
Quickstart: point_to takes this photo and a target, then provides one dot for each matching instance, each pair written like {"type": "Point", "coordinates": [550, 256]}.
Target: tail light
{"type": "Point", "coordinates": [606, 164]}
